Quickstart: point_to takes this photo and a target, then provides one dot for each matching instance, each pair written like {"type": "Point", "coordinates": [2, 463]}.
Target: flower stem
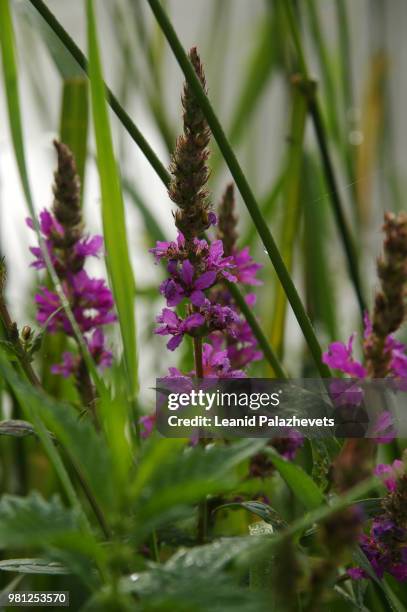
{"type": "Point", "coordinates": [140, 141]}
{"type": "Point", "coordinates": [242, 184]}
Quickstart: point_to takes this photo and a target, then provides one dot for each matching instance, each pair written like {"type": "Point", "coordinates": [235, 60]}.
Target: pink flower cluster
{"type": "Point", "coordinates": [194, 272]}
{"type": "Point", "coordinates": [340, 356]}
{"type": "Point", "coordinates": [385, 545]}
{"type": "Point", "coordinates": [90, 299]}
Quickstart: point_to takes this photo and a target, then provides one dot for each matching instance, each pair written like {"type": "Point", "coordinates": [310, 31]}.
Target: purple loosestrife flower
{"type": "Point", "coordinates": [390, 473]}
{"type": "Point", "coordinates": [90, 299]}
{"type": "Point", "coordinates": [172, 324]}
{"type": "Point", "coordinates": [385, 544]}
{"type": "Point", "coordinates": [340, 357]}
{"type": "Point", "coordinates": [216, 364]}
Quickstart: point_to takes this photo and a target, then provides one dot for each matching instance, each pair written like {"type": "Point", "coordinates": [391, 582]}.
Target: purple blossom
{"type": "Point", "coordinates": [185, 283]}
{"type": "Point", "coordinates": [147, 423]}
{"type": "Point", "coordinates": [89, 246]}
{"type": "Point", "coordinates": [245, 267]}
{"type": "Point", "coordinates": [169, 250]}
{"type": "Point", "coordinates": [215, 364]}
{"type": "Point", "coordinates": [357, 573]}
{"type": "Point", "coordinates": [220, 318]}
{"type": "Point", "coordinates": [172, 324]}
{"type": "Point", "coordinates": [292, 442]}
{"type": "Point", "coordinates": [339, 356]}
{"type": "Point", "coordinates": [384, 427]}
{"type": "Point", "coordinates": [390, 473]}
{"type": "Point", "coordinates": [385, 545]}
{"type": "Point", "coordinates": [67, 366]}
{"type": "Point", "coordinates": [97, 349]}
{"type": "Point", "coordinates": [397, 350]}
{"type": "Point", "coordinates": [215, 261]}
{"type": "Point", "coordinates": [90, 299]}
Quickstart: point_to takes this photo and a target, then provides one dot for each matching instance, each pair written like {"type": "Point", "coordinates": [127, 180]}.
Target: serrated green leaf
{"type": "Point", "coordinates": [192, 588]}
{"type": "Point", "coordinates": [34, 521]}
{"type": "Point", "coordinates": [190, 474]}
{"type": "Point", "coordinates": [86, 448]}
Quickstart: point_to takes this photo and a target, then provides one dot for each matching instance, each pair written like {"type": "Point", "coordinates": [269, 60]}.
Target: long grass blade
{"type": "Point", "coordinates": [13, 97]}
{"type": "Point", "coordinates": [73, 128]}
{"type": "Point", "coordinates": [242, 185]}
{"type": "Point", "coordinates": [292, 212]}
{"type": "Point", "coordinates": [114, 224]}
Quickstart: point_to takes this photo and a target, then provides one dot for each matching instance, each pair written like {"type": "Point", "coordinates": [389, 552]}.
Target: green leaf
{"type": "Point", "coordinates": [291, 210]}
{"type": "Point", "coordinates": [24, 394]}
{"type": "Point", "coordinates": [192, 587]}
{"type": "Point", "coordinates": [301, 484]}
{"type": "Point", "coordinates": [33, 521]}
{"type": "Point", "coordinates": [264, 511]}
{"type": "Point", "coordinates": [12, 95]}
{"type": "Point", "coordinates": [319, 279]}
{"type": "Point", "coordinates": [190, 475]}
{"type": "Point", "coordinates": [114, 223]}
{"type": "Point", "coordinates": [73, 130]}
{"type": "Point", "coordinates": [32, 566]}
{"type": "Point", "coordinates": [86, 448]}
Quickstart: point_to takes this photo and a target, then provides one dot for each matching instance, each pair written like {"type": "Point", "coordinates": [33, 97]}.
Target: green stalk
{"type": "Point", "coordinates": [242, 185]}
{"type": "Point", "coordinates": [345, 53]}
{"type": "Point", "coordinates": [322, 140]}
{"type": "Point", "coordinates": [265, 346]}
{"type": "Point", "coordinates": [326, 70]}
{"type": "Point", "coordinates": [292, 212]}
{"type": "Point", "coordinates": [146, 149]}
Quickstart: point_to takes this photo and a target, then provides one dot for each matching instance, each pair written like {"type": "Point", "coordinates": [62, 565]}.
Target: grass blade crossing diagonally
{"type": "Point", "coordinates": [242, 185]}
{"type": "Point", "coordinates": [131, 128]}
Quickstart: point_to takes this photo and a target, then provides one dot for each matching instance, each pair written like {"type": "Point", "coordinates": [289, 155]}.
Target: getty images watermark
{"type": "Point", "coordinates": [257, 407]}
